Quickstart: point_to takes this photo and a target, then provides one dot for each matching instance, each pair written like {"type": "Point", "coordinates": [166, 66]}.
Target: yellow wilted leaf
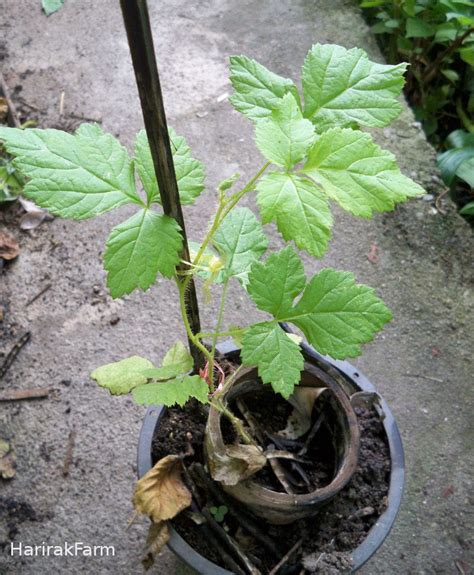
{"type": "Point", "coordinates": [160, 493]}
{"type": "Point", "coordinates": [157, 538]}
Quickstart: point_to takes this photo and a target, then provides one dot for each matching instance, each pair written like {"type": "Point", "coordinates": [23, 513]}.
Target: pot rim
{"type": "Point", "coordinates": [379, 531]}
{"type": "Point", "coordinates": [287, 502]}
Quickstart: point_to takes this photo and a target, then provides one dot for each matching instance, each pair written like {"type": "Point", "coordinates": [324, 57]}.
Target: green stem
{"type": "Point", "coordinates": [236, 422]}
{"type": "Point", "coordinates": [220, 317]}
{"type": "Point", "coordinates": [182, 304]}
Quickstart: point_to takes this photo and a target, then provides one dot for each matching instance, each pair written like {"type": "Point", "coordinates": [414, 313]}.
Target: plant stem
{"type": "Point", "coordinates": [220, 317]}
{"type": "Point", "coordinates": [236, 422]}
{"type": "Point", "coordinates": [182, 304]}
{"type": "Point", "coordinates": [230, 333]}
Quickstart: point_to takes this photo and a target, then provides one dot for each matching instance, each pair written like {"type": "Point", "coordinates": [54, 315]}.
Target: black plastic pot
{"type": "Point", "coordinates": [353, 379]}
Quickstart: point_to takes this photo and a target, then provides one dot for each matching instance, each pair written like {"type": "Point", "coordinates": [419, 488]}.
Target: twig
{"type": "Point", "coordinates": [280, 474]}
{"type": "Point", "coordinates": [69, 452]}
{"type": "Point", "coordinates": [14, 118]}
{"type": "Point", "coordinates": [230, 542]}
{"type": "Point", "coordinates": [39, 294]}
{"type": "Point", "coordinates": [280, 454]}
{"type": "Point", "coordinates": [19, 394]}
{"type": "Point", "coordinates": [280, 443]}
{"type": "Point", "coordinates": [244, 519]}
{"type": "Point", "coordinates": [421, 376]}
{"type": "Point", "coordinates": [196, 506]}
{"type": "Point", "coordinates": [286, 557]}
{"type": "Point", "coordinates": [15, 350]}
{"type": "Point", "coordinates": [311, 434]}
{"type": "Point", "coordinates": [251, 421]}
{"type": "Point", "coordinates": [61, 103]}
{"type": "Point", "coordinates": [438, 199]}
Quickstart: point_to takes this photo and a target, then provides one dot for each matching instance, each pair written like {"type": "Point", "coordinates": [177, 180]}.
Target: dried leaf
{"type": "Point", "coordinates": [9, 248]}
{"type": "Point", "coordinates": [161, 494]}
{"type": "Point", "coordinates": [299, 422]}
{"type": "Point", "coordinates": [239, 462]}
{"type": "Point", "coordinates": [7, 460]}
{"type": "Point", "coordinates": [32, 220]}
{"type": "Point", "coordinates": [3, 109]}
{"type": "Point", "coordinates": [158, 536]}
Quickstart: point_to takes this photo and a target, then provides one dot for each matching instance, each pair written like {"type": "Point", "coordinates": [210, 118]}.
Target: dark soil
{"type": "Point", "coordinates": [329, 537]}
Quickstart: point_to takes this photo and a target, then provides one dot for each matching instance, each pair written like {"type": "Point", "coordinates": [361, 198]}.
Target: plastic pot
{"type": "Point", "coordinates": [349, 377]}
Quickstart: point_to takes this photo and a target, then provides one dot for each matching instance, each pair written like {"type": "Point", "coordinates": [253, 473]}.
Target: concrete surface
{"type": "Point", "coordinates": [422, 362]}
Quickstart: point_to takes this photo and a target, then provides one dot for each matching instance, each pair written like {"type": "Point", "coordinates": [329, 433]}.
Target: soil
{"type": "Point", "coordinates": [328, 538]}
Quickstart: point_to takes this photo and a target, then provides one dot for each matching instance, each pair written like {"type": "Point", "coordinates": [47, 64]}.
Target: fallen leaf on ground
{"type": "Point", "coordinates": [3, 109]}
{"type": "Point", "coordinates": [158, 536]}
{"type": "Point", "coordinates": [161, 493]}
{"type": "Point", "coordinates": [7, 460]}
{"type": "Point", "coordinates": [237, 463]}
{"type": "Point", "coordinates": [9, 248]}
{"type": "Point", "coordinates": [34, 215]}
{"type": "Point", "coordinates": [373, 255]}
{"type": "Point", "coordinates": [51, 6]}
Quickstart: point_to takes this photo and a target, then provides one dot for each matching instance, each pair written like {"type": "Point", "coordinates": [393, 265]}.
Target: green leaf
{"type": "Point", "coordinates": [468, 209]}
{"type": "Point", "coordinates": [418, 28]}
{"type": "Point", "coordinates": [257, 91]}
{"type": "Point", "coordinates": [240, 241]}
{"type": "Point", "coordinates": [176, 391]}
{"type": "Point", "coordinates": [189, 171]}
{"type": "Point", "coordinates": [358, 174]}
{"type": "Point", "coordinates": [177, 361]}
{"type": "Point", "coordinates": [285, 136]}
{"type": "Point", "coordinates": [284, 272]}
{"type": "Point", "coordinates": [178, 355]}
{"type": "Point", "coordinates": [73, 176]}
{"type": "Point", "coordinates": [122, 376]}
{"type": "Point", "coordinates": [139, 248]}
{"type": "Point", "coordinates": [342, 87]}
{"type": "Point", "coordinates": [335, 314]}
{"type": "Point", "coordinates": [462, 150]}
{"type": "Point", "coordinates": [465, 171]}
{"type": "Point", "coordinates": [51, 6]}
{"type": "Point", "coordinates": [278, 357]}
{"type": "Point", "coordinates": [300, 210]}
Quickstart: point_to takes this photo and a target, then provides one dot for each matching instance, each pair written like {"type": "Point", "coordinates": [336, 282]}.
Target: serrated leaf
{"type": "Point", "coordinates": [278, 358]}
{"type": "Point", "coordinates": [257, 90]}
{"type": "Point", "coordinates": [172, 392]}
{"type": "Point", "coordinates": [122, 376]}
{"type": "Point", "coordinates": [178, 355]}
{"type": "Point", "coordinates": [240, 241]}
{"type": "Point", "coordinates": [335, 314]}
{"type": "Point", "coordinates": [189, 171]}
{"type": "Point", "coordinates": [73, 176]}
{"type": "Point", "coordinates": [285, 136]}
{"type": "Point", "coordinates": [300, 210]}
{"type": "Point", "coordinates": [177, 361]}
{"type": "Point", "coordinates": [357, 174]}
{"type": "Point", "coordinates": [342, 87]}
{"type": "Point", "coordinates": [139, 248]}
{"type": "Point", "coordinates": [284, 272]}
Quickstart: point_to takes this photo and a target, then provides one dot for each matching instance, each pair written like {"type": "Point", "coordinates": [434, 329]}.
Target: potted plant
{"type": "Point", "coordinates": [272, 406]}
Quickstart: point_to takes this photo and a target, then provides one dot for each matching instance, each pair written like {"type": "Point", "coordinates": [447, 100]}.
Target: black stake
{"type": "Point", "coordinates": [140, 40]}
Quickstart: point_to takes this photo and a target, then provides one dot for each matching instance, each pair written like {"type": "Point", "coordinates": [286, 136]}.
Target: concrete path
{"type": "Point", "coordinates": [422, 362]}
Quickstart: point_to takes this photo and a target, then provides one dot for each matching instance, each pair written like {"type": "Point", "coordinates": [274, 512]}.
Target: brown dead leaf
{"type": "Point", "coordinates": [158, 536]}
{"type": "Point", "coordinates": [160, 493]}
{"type": "Point", "coordinates": [7, 460]}
{"type": "Point", "coordinates": [3, 109]}
{"type": "Point", "coordinates": [299, 421]}
{"type": "Point", "coordinates": [239, 462]}
{"type": "Point", "coordinates": [9, 248]}
{"type": "Point", "coordinates": [373, 255]}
